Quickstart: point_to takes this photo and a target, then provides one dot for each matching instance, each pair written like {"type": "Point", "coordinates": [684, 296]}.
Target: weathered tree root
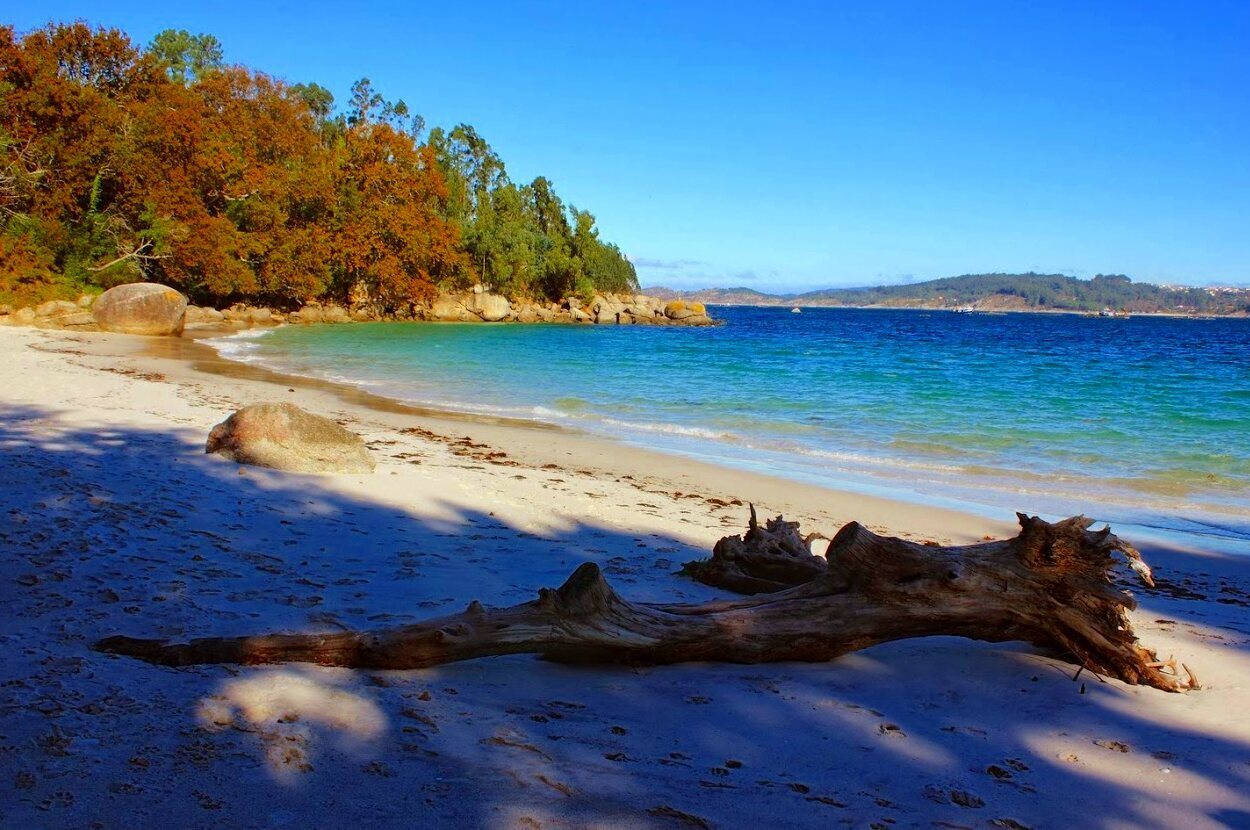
{"type": "Point", "coordinates": [1048, 586]}
{"type": "Point", "coordinates": [765, 560]}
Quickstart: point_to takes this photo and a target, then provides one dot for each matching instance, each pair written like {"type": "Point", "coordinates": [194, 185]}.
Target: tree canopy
{"type": "Point", "coordinates": [121, 163]}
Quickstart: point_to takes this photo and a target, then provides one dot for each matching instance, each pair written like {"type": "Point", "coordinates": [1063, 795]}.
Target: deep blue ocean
{"type": "Point", "coordinates": [1143, 421]}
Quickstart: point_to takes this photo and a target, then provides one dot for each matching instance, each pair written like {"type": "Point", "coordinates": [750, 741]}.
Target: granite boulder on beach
{"type": "Point", "coordinates": [141, 308]}
{"type": "Point", "coordinates": [285, 437]}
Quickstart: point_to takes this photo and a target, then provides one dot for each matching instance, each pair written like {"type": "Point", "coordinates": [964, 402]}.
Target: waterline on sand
{"type": "Point", "coordinates": [919, 406]}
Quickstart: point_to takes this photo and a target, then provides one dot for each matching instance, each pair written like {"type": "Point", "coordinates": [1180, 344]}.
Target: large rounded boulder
{"type": "Point", "coordinates": [141, 308]}
{"type": "Point", "coordinates": [450, 308]}
{"type": "Point", "coordinates": [682, 310]}
{"type": "Point", "coordinates": [490, 307]}
{"type": "Point", "coordinates": [285, 437]}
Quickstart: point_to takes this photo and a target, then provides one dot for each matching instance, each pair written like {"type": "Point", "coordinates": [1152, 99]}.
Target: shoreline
{"type": "Point", "coordinates": [113, 520]}
{"type": "Point", "coordinates": [1145, 516]}
{"type": "Point", "coordinates": [583, 449]}
{"type": "Point", "coordinates": [192, 365]}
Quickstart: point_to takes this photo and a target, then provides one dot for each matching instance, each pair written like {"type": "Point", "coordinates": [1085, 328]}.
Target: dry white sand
{"type": "Point", "coordinates": [112, 520]}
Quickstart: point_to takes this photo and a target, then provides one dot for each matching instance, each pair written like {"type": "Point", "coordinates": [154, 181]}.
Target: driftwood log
{"type": "Point", "coordinates": [1049, 586]}
{"type": "Point", "coordinates": [766, 559]}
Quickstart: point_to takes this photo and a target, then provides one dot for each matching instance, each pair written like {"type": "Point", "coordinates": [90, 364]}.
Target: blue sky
{"type": "Point", "coordinates": [788, 145]}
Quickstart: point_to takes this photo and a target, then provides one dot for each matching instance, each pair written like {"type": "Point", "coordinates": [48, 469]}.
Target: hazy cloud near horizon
{"type": "Point", "coordinates": [693, 274]}
{"type": "Point", "coordinates": [696, 280]}
{"type": "Point", "coordinates": [666, 264]}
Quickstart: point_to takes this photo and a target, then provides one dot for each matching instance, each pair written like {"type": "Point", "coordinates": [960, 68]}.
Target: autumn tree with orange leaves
{"type": "Point", "coordinates": [119, 164]}
{"type": "Point", "coordinates": [390, 236]}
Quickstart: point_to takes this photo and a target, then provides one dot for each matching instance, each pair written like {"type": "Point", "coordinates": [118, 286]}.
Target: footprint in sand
{"type": "Point", "coordinates": [680, 818]}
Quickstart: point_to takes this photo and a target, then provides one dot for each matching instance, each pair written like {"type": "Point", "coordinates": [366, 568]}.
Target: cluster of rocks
{"type": "Point", "coordinates": [136, 308]}
{"type": "Point", "coordinates": [54, 314]}
{"type": "Point", "coordinates": [474, 306]}
{"type": "Point", "coordinates": [148, 308]}
{"type": "Point", "coordinates": [480, 305]}
{"type": "Point", "coordinates": [242, 316]}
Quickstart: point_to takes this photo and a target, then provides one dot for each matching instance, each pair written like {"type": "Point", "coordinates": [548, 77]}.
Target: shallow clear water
{"type": "Point", "coordinates": [1144, 420]}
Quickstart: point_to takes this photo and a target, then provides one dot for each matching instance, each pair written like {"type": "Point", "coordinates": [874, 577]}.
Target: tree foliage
{"type": "Point", "coordinates": [522, 240]}
{"type": "Point", "coordinates": [120, 163]}
{"type": "Point", "coordinates": [186, 56]}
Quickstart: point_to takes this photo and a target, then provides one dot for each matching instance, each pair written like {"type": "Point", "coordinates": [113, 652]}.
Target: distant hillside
{"type": "Point", "coordinates": [720, 296]}
{"type": "Point", "coordinates": [999, 292]}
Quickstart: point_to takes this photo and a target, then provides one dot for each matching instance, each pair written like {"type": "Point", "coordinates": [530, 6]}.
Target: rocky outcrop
{"type": "Point", "coordinates": [78, 320]}
{"type": "Point", "coordinates": [335, 314]}
{"type": "Point", "coordinates": [474, 306]}
{"type": "Point", "coordinates": [308, 314]}
{"type": "Point", "coordinates": [241, 316]}
{"type": "Point", "coordinates": [680, 309]}
{"type": "Point", "coordinates": [140, 308]}
{"type": "Point", "coordinates": [451, 308]}
{"type": "Point", "coordinates": [203, 315]}
{"type": "Point", "coordinates": [56, 308]}
{"type": "Point", "coordinates": [605, 310]}
{"type": "Point", "coordinates": [54, 314]}
{"type": "Point", "coordinates": [479, 304]}
{"type": "Point", "coordinates": [62, 314]}
{"type": "Point", "coordinates": [284, 437]}
{"type": "Point", "coordinates": [248, 316]}
{"type": "Point", "coordinates": [691, 314]}
{"type": "Point", "coordinates": [490, 307]}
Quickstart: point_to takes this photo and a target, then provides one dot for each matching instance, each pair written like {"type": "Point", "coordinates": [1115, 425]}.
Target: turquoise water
{"type": "Point", "coordinates": [1144, 420]}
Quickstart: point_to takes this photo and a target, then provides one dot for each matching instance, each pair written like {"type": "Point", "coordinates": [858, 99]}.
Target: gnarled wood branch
{"type": "Point", "coordinates": [1048, 586]}
{"type": "Point", "coordinates": [137, 253]}
{"type": "Point", "coordinates": [765, 560]}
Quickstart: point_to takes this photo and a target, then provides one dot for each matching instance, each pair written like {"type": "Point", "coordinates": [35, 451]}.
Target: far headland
{"type": "Point", "coordinates": [999, 292]}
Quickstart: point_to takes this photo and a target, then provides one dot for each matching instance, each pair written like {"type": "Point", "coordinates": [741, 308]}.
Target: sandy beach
{"type": "Point", "coordinates": [113, 520]}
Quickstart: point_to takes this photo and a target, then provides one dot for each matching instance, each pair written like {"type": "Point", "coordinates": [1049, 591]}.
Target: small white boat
{"type": "Point", "coordinates": [796, 310]}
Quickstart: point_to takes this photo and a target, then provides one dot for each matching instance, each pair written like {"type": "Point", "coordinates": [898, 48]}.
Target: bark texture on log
{"type": "Point", "coordinates": [764, 560]}
{"type": "Point", "coordinates": [1048, 586]}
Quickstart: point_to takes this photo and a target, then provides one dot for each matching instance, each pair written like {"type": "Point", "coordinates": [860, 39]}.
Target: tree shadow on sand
{"type": "Point", "coordinates": [137, 532]}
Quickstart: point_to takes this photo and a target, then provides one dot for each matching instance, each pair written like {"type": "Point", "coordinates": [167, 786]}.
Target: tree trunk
{"type": "Point", "coordinates": [1048, 586]}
